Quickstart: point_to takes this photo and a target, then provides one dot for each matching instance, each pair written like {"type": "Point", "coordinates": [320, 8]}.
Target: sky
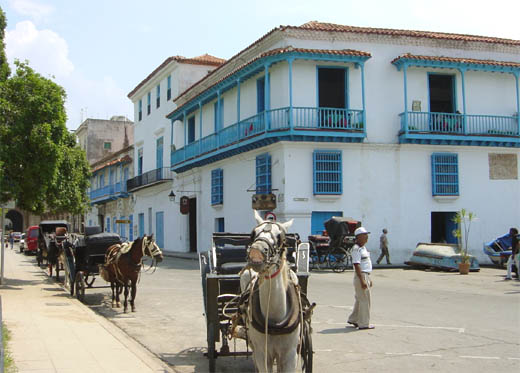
{"type": "Point", "coordinates": [99, 50]}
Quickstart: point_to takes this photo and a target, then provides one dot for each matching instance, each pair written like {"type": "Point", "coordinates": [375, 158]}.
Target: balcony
{"type": "Point", "coordinates": [459, 129]}
{"type": "Point", "coordinates": [283, 124]}
{"type": "Point", "coordinates": [108, 193]}
{"type": "Point", "coordinates": [153, 177]}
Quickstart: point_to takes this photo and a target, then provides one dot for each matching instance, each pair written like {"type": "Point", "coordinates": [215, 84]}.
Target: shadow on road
{"type": "Point", "coordinates": [338, 331]}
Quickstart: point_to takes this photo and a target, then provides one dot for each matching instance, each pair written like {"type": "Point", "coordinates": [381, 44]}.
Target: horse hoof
{"type": "Point", "coordinates": [114, 305]}
{"type": "Point", "coordinates": [118, 304]}
{"type": "Point", "coordinates": [133, 309]}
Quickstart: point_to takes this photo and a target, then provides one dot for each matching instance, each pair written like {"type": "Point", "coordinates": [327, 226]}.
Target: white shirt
{"type": "Point", "coordinates": [361, 256]}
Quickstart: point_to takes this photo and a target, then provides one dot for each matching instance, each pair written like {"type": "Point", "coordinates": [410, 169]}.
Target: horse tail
{"type": "Point", "coordinates": [104, 273]}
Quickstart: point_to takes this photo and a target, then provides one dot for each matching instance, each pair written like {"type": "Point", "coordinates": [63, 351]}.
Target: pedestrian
{"type": "Point", "coordinates": [11, 239]}
{"type": "Point", "coordinates": [513, 232]}
{"type": "Point", "coordinates": [360, 316]}
{"type": "Point", "coordinates": [383, 245]}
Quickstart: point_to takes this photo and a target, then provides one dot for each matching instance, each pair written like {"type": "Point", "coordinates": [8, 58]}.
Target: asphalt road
{"type": "Point", "coordinates": [425, 321]}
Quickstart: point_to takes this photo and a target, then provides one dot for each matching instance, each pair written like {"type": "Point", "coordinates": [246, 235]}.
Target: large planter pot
{"type": "Point", "coordinates": [464, 268]}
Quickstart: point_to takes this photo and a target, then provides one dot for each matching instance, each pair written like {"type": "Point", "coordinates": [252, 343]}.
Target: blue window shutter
{"type": "Point", "coordinates": [217, 186]}
{"type": "Point", "coordinates": [327, 172]}
{"type": "Point", "coordinates": [108, 225]}
{"type": "Point", "coordinates": [445, 174]}
{"type": "Point", "coordinates": [131, 229]}
{"type": "Point", "coordinates": [263, 174]}
{"type": "Point", "coordinates": [158, 95]}
{"type": "Point", "coordinates": [169, 90]}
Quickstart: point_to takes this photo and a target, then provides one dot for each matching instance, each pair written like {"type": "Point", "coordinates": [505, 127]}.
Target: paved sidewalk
{"type": "Point", "coordinates": [52, 332]}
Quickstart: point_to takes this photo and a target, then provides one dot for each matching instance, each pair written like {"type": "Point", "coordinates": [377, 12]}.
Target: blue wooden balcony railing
{"type": "Point", "coordinates": [149, 178]}
{"type": "Point", "coordinates": [344, 122]}
{"type": "Point", "coordinates": [108, 192]}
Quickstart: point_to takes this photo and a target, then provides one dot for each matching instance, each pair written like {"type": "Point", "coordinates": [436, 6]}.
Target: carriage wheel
{"type": "Point", "coordinates": [307, 349]}
{"type": "Point", "coordinates": [211, 347]}
{"type": "Point", "coordinates": [338, 259]}
{"type": "Point", "coordinates": [80, 286]}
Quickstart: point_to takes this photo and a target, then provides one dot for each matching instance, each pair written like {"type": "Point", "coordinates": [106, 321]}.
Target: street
{"type": "Point", "coordinates": [425, 321]}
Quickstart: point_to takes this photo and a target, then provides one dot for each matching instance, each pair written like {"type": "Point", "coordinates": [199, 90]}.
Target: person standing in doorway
{"type": "Point", "coordinates": [360, 316]}
{"type": "Point", "coordinates": [383, 245]}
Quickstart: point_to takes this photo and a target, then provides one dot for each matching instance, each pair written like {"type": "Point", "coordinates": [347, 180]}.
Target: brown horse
{"type": "Point", "coordinates": [123, 264]}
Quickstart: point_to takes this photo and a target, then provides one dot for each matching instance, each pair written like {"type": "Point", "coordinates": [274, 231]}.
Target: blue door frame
{"type": "Point", "coordinates": [159, 229]}
{"type": "Point", "coordinates": [318, 218]}
{"type": "Point", "coordinates": [141, 224]}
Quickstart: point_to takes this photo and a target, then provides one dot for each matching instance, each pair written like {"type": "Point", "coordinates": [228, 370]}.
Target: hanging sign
{"type": "Point", "coordinates": [264, 201]}
{"type": "Point", "coordinates": [185, 205]}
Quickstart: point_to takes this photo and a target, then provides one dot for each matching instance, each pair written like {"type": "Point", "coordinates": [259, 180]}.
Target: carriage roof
{"type": "Point", "coordinates": [339, 226]}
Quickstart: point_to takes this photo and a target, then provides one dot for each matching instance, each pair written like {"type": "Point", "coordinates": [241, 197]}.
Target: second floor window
{"type": "Point", "coordinates": [445, 174]}
{"type": "Point", "coordinates": [327, 175]}
{"type": "Point", "coordinates": [158, 95]}
{"type": "Point", "coordinates": [169, 88]}
{"type": "Point", "coordinates": [191, 129]}
{"type": "Point", "coordinates": [141, 109]}
{"type": "Point", "coordinates": [260, 95]}
{"type": "Point", "coordinates": [217, 186]}
{"type": "Point", "coordinates": [219, 119]}
{"type": "Point", "coordinates": [148, 103]}
{"type": "Point", "coordinates": [107, 145]}
{"type": "Point", "coordinates": [140, 161]}
{"type": "Point", "coordinates": [263, 174]}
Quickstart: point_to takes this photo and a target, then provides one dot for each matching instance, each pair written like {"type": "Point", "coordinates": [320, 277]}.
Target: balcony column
{"type": "Point", "coordinates": [463, 83]}
{"type": "Point", "coordinates": [291, 123]}
{"type": "Point", "coordinates": [405, 67]}
{"type": "Point", "coordinates": [200, 127]}
{"type": "Point", "coordinates": [517, 74]}
{"type": "Point", "coordinates": [364, 115]}
{"type": "Point", "coordinates": [238, 109]}
{"type": "Point", "coordinates": [267, 95]}
{"type": "Point", "coordinates": [185, 133]}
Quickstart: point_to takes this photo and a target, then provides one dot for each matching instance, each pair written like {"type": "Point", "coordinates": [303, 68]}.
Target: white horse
{"type": "Point", "coordinates": [273, 314]}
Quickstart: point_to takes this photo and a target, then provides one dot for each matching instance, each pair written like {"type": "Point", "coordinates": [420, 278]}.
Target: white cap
{"type": "Point", "coordinates": [360, 230]}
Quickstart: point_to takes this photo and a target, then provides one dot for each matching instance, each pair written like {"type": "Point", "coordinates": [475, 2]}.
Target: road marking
{"type": "Point", "coordinates": [481, 357]}
{"type": "Point", "coordinates": [513, 358]}
{"type": "Point", "coordinates": [397, 353]}
{"type": "Point", "coordinates": [460, 330]}
{"type": "Point", "coordinates": [333, 306]}
{"type": "Point", "coordinates": [426, 355]}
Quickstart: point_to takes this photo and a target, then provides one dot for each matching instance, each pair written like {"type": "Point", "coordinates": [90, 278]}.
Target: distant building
{"type": "Point", "coordinates": [152, 181]}
{"type": "Point", "coordinates": [399, 129]}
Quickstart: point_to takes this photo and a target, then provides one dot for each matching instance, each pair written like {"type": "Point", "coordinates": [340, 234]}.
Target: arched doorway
{"type": "Point", "coordinates": [17, 220]}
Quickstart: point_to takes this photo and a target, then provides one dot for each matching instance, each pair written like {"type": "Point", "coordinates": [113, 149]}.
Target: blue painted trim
{"type": "Point", "coordinates": [517, 99]}
{"type": "Point", "coordinates": [185, 132]}
{"type": "Point", "coordinates": [267, 94]}
{"type": "Point", "coordinates": [442, 173]}
{"type": "Point", "coordinates": [238, 100]}
{"type": "Point", "coordinates": [260, 94]}
{"type": "Point", "coordinates": [454, 65]}
{"type": "Point", "coordinates": [463, 84]}
{"type": "Point", "coordinates": [200, 126]}
{"type": "Point", "coordinates": [434, 139]}
{"type": "Point", "coordinates": [362, 66]}
{"type": "Point", "coordinates": [327, 179]}
{"type": "Point", "coordinates": [291, 119]}
{"type": "Point", "coordinates": [405, 68]}
{"type": "Point", "coordinates": [253, 69]}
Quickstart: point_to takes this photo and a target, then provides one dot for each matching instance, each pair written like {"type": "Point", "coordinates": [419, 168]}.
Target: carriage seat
{"type": "Point", "coordinates": [230, 259]}
{"type": "Point", "coordinates": [89, 231]}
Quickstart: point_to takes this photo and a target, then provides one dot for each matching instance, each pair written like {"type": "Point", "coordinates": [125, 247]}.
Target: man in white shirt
{"type": "Point", "coordinates": [360, 316]}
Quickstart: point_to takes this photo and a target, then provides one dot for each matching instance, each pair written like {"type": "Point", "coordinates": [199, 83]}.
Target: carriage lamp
{"type": "Point", "coordinates": [171, 196]}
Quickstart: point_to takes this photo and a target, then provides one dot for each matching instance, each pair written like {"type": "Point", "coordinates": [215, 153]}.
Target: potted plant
{"type": "Point", "coordinates": [463, 220]}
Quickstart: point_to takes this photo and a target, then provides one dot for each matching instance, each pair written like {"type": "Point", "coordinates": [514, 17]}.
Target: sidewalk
{"type": "Point", "coordinates": [52, 332]}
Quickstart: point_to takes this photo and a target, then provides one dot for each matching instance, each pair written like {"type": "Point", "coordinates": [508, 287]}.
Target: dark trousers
{"type": "Point", "coordinates": [384, 252]}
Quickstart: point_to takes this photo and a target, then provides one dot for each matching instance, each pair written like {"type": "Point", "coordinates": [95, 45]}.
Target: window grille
{"type": "Point", "coordinates": [217, 186]}
{"type": "Point", "coordinates": [327, 175]}
{"type": "Point", "coordinates": [263, 174]}
{"type": "Point", "coordinates": [445, 174]}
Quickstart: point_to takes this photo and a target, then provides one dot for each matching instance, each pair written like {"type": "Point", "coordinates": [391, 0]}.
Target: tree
{"type": "Point", "coordinates": [4, 66]}
{"type": "Point", "coordinates": [41, 166]}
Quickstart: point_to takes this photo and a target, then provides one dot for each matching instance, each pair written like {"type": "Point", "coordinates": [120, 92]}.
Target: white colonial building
{"type": "Point", "coordinates": [149, 188]}
{"type": "Point", "coordinates": [399, 129]}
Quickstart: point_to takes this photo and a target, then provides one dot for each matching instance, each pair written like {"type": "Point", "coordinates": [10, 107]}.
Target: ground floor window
{"type": "Point", "coordinates": [219, 225]}
{"type": "Point", "coordinates": [217, 186]}
{"type": "Point", "coordinates": [445, 174]}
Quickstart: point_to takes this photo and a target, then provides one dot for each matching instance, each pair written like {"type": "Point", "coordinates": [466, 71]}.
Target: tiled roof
{"type": "Point", "coordinates": [321, 26]}
{"type": "Point", "coordinates": [278, 51]}
{"type": "Point", "coordinates": [457, 60]}
{"type": "Point", "coordinates": [205, 59]}
{"type": "Point", "coordinates": [124, 159]}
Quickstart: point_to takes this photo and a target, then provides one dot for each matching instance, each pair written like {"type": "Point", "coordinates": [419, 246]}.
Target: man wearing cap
{"type": "Point", "coordinates": [360, 315]}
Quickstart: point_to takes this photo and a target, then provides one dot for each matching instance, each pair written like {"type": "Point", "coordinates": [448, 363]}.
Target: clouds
{"type": "Point", "coordinates": [33, 9]}
{"type": "Point", "coordinates": [48, 54]}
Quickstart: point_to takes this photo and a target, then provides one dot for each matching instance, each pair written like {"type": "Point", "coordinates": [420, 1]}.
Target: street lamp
{"type": "Point", "coordinates": [171, 196]}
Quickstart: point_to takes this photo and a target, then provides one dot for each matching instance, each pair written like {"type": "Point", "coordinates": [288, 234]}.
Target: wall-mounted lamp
{"type": "Point", "coordinates": [171, 196]}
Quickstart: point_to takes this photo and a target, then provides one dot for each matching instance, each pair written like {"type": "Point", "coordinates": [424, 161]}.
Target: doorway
{"type": "Point", "coordinates": [442, 227]}
{"type": "Point", "coordinates": [332, 88]}
{"type": "Point", "coordinates": [16, 220]}
{"type": "Point", "coordinates": [192, 217]}
{"type": "Point", "coordinates": [442, 93]}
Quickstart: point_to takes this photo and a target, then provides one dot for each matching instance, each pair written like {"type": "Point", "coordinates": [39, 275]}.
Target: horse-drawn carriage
{"type": "Point", "coordinates": [333, 249]}
{"type": "Point", "coordinates": [81, 257]}
{"type": "Point", "coordinates": [222, 269]}
{"type": "Point", "coordinates": [51, 233]}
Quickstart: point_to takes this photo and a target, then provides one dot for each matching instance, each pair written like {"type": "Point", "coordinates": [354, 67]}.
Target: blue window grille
{"type": "Point", "coordinates": [131, 229]}
{"type": "Point", "coordinates": [219, 225]}
{"type": "Point", "coordinates": [140, 109]}
{"type": "Point", "coordinates": [327, 175]}
{"type": "Point", "coordinates": [158, 95]}
{"type": "Point", "coordinates": [108, 225]}
{"type": "Point", "coordinates": [445, 174]}
{"type": "Point", "coordinates": [217, 187]}
{"type": "Point", "coordinates": [169, 88]}
{"type": "Point", "coordinates": [263, 174]}
{"type": "Point", "coordinates": [148, 103]}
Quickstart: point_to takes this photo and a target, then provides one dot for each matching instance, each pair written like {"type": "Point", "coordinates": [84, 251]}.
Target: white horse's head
{"type": "Point", "coordinates": [151, 249]}
{"type": "Point", "coordinates": [267, 242]}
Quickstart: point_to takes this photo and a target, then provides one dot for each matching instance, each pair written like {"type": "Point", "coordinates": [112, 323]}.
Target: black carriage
{"type": "Point", "coordinates": [219, 269]}
{"type": "Point", "coordinates": [332, 249]}
{"type": "Point", "coordinates": [51, 234]}
{"type": "Point", "coordinates": [82, 257]}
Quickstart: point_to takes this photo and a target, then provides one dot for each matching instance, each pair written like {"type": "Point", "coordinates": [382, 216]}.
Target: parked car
{"type": "Point", "coordinates": [22, 243]}
{"type": "Point", "coordinates": [31, 239]}
{"type": "Point", "coordinates": [17, 236]}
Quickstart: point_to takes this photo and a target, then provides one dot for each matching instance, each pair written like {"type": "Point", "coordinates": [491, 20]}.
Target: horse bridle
{"type": "Point", "coordinates": [154, 250]}
{"type": "Point", "coordinates": [272, 250]}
